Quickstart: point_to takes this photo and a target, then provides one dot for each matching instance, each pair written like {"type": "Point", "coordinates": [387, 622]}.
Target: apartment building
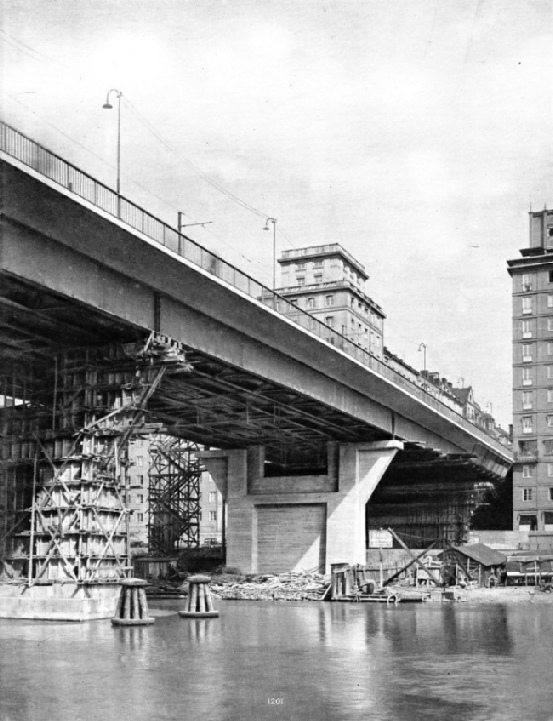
{"type": "Point", "coordinates": [328, 283]}
{"type": "Point", "coordinates": [532, 276]}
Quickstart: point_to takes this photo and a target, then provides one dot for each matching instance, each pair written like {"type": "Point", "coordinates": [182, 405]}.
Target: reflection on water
{"type": "Point", "coordinates": [324, 661]}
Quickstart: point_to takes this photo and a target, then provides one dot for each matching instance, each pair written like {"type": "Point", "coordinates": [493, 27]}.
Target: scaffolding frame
{"type": "Point", "coordinates": [173, 495]}
{"type": "Point", "coordinates": [64, 462]}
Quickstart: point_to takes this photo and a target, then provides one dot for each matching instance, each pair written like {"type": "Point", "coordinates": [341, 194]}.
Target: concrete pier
{"type": "Point", "coordinates": [287, 523]}
{"type": "Point", "coordinates": [58, 601]}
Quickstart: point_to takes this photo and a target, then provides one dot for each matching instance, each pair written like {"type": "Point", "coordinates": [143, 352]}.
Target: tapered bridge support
{"type": "Point", "coordinates": [285, 523]}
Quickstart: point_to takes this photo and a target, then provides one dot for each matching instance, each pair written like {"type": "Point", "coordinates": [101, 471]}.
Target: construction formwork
{"type": "Point", "coordinates": [65, 429]}
{"type": "Point", "coordinates": [173, 495]}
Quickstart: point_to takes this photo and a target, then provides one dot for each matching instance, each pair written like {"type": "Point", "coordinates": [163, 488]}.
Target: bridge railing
{"type": "Point", "coordinates": [43, 161]}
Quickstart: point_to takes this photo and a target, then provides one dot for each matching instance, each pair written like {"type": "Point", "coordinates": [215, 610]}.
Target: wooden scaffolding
{"type": "Point", "coordinates": [65, 457]}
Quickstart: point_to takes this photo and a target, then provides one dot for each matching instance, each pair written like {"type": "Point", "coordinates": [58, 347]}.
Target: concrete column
{"type": "Point", "coordinates": [362, 466]}
{"type": "Point", "coordinates": [310, 517]}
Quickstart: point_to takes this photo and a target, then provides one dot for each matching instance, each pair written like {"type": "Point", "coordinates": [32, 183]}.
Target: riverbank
{"type": "Point", "coordinates": [305, 586]}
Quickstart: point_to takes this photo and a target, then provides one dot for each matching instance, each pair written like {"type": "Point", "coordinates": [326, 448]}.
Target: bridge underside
{"type": "Point", "coordinates": [65, 366]}
{"type": "Point", "coordinates": [426, 496]}
{"type": "Point", "coordinates": [215, 403]}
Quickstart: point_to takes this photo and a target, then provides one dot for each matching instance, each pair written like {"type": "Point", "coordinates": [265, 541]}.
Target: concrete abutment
{"type": "Point", "coordinates": [303, 522]}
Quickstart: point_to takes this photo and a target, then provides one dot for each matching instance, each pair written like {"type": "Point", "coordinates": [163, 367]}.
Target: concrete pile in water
{"type": "Point", "coordinates": [293, 586]}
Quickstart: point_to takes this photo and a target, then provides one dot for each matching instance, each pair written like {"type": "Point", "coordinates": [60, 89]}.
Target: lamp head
{"type": "Point", "coordinates": [107, 106]}
{"type": "Point", "coordinates": [266, 226]}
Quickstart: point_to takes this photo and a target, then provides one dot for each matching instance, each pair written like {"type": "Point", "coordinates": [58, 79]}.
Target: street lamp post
{"type": "Point", "coordinates": [273, 221]}
{"type": "Point", "coordinates": [181, 225]}
{"type": "Point", "coordinates": [422, 347]}
{"type": "Point", "coordinates": [108, 106]}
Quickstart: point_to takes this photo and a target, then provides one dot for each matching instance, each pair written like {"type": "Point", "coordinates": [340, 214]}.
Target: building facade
{"type": "Point", "coordinates": [328, 283]}
{"type": "Point", "coordinates": [533, 378]}
{"type": "Point", "coordinates": [212, 512]}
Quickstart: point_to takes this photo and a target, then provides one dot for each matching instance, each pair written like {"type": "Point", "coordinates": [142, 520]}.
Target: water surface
{"type": "Point", "coordinates": [317, 661]}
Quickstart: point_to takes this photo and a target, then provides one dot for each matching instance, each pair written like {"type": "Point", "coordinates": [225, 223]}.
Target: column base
{"type": "Point", "coordinates": [58, 601]}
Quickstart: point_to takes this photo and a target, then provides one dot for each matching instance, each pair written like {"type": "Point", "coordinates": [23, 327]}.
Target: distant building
{"type": "Point", "coordinates": [471, 410]}
{"type": "Point", "coordinates": [138, 470]}
{"type": "Point", "coordinates": [212, 514]}
{"type": "Point", "coordinates": [328, 283]}
{"type": "Point", "coordinates": [533, 378]}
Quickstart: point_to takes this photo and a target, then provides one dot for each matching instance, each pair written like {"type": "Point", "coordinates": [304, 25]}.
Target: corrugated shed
{"type": "Point", "coordinates": [482, 554]}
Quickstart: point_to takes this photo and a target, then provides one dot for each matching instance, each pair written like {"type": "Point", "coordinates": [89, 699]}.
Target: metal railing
{"type": "Point", "coordinates": [52, 166]}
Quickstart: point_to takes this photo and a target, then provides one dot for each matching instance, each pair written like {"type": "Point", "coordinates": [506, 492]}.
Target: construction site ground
{"type": "Point", "coordinates": [310, 586]}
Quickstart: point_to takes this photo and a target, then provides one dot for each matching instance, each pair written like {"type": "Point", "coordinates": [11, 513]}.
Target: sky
{"type": "Point", "coordinates": [416, 133]}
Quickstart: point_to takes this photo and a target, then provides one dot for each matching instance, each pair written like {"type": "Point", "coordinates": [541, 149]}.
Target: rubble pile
{"type": "Point", "coordinates": [293, 586]}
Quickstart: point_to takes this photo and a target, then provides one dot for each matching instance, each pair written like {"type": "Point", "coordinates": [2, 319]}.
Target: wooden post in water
{"type": "Point", "coordinates": [132, 608]}
{"type": "Point", "coordinates": [200, 603]}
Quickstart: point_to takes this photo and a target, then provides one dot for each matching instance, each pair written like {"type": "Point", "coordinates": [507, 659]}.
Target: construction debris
{"type": "Point", "coordinates": [293, 586]}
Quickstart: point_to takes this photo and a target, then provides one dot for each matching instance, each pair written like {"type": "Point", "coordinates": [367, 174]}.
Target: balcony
{"type": "Point", "coordinates": [525, 457]}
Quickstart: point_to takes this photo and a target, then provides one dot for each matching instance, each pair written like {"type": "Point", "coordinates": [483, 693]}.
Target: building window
{"type": "Point", "coordinates": [526, 306]}
{"type": "Point", "coordinates": [139, 498]}
{"type": "Point", "coordinates": [526, 329]}
{"type": "Point", "coordinates": [551, 276]}
{"type": "Point", "coordinates": [212, 496]}
{"type": "Point", "coordinates": [551, 494]}
{"type": "Point", "coordinates": [300, 280]}
{"type": "Point", "coordinates": [140, 480]}
{"type": "Point", "coordinates": [318, 278]}
{"type": "Point", "coordinates": [311, 302]}
{"type": "Point", "coordinates": [527, 471]}
{"type": "Point", "coordinates": [526, 424]}
{"type": "Point", "coordinates": [549, 371]}
{"type": "Point", "coordinates": [139, 461]}
{"type": "Point", "coordinates": [526, 283]}
{"type": "Point", "coordinates": [549, 395]}
{"type": "Point", "coordinates": [329, 300]}
{"type": "Point", "coordinates": [300, 266]}
{"type": "Point", "coordinates": [294, 301]}
{"type": "Point", "coordinates": [550, 324]}
{"type": "Point", "coordinates": [550, 301]}
{"type": "Point", "coordinates": [527, 494]}
{"type": "Point", "coordinates": [527, 448]}
{"type": "Point", "coordinates": [549, 421]}
{"type": "Point", "coordinates": [318, 264]}
{"type": "Point", "coordinates": [329, 320]}
{"type": "Point", "coordinates": [139, 516]}
{"type": "Point", "coordinates": [310, 323]}
{"type": "Point", "coordinates": [550, 470]}
{"type": "Point", "coordinates": [526, 399]}
{"type": "Point", "coordinates": [526, 352]}
{"type": "Point", "coordinates": [548, 448]}
{"type": "Point", "coordinates": [213, 515]}
{"type": "Point", "coordinates": [526, 377]}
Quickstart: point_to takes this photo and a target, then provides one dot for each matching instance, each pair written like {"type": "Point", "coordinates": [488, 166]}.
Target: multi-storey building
{"type": "Point", "coordinates": [328, 283]}
{"type": "Point", "coordinates": [212, 512]}
{"type": "Point", "coordinates": [138, 479]}
{"type": "Point", "coordinates": [533, 378]}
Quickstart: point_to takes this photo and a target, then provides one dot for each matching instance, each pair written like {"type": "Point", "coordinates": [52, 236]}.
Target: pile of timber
{"type": "Point", "coordinates": [293, 586]}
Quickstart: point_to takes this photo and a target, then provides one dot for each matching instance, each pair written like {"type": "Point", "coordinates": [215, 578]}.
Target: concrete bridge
{"type": "Point", "coordinates": [309, 426]}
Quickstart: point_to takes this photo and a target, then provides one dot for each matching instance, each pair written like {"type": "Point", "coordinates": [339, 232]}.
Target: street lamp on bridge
{"type": "Point", "coordinates": [273, 221]}
{"type": "Point", "coordinates": [108, 106]}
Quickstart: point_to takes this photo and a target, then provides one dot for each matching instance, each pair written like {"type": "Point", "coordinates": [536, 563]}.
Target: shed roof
{"type": "Point", "coordinates": [481, 553]}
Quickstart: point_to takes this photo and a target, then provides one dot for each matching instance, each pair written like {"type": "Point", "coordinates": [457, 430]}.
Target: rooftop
{"type": "Point", "coordinates": [316, 251]}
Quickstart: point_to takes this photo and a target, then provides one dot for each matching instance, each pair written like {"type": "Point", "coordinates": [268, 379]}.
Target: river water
{"type": "Point", "coordinates": [301, 661]}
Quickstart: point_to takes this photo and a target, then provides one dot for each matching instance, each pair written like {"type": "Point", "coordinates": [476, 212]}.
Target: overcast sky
{"type": "Point", "coordinates": [416, 133]}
